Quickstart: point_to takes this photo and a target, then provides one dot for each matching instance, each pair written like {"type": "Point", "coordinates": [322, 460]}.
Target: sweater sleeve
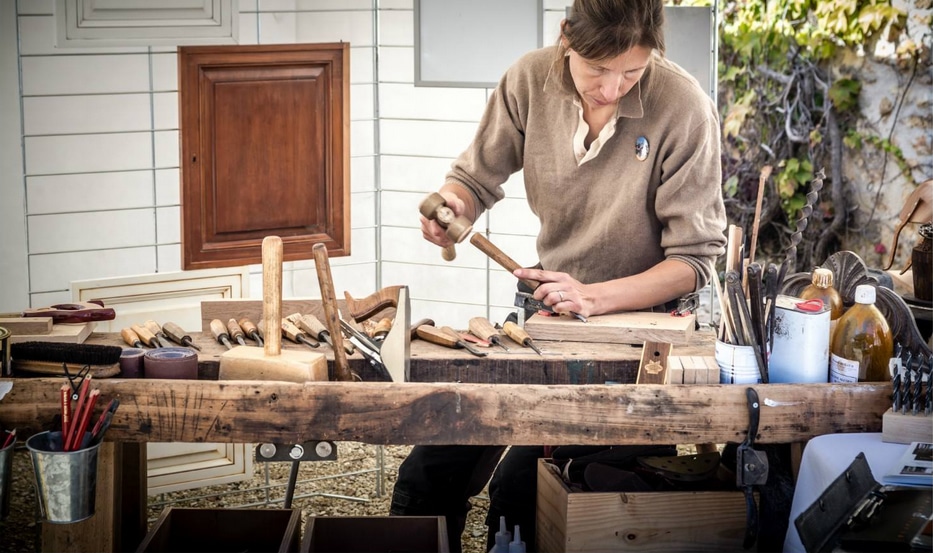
{"type": "Point", "coordinates": [689, 202]}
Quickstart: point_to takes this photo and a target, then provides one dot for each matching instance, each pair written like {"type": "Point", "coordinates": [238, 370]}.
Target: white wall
{"type": "Point", "coordinates": [90, 182]}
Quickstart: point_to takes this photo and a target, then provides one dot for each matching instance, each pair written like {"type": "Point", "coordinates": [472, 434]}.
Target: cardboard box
{"type": "Point", "coordinates": [371, 534]}
{"type": "Point", "coordinates": [224, 530]}
{"type": "Point", "coordinates": [642, 521]}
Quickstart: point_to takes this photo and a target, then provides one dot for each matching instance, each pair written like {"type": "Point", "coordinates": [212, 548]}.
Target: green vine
{"type": "Point", "coordinates": [789, 99]}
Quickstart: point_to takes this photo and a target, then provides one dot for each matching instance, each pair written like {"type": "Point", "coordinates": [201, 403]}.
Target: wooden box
{"type": "Point", "coordinates": [180, 530]}
{"type": "Point", "coordinates": [368, 534]}
{"type": "Point", "coordinates": [642, 521]}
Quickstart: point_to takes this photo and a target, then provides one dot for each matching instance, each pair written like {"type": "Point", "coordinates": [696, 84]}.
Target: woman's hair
{"type": "Point", "coordinates": [604, 29]}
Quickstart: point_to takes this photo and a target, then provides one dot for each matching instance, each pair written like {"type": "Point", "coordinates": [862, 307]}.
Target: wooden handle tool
{"type": "Point", "coordinates": [220, 333]}
{"type": "Point", "coordinates": [235, 332]}
{"type": "Point", "coordinates": [437, 336]}
{"type": "Point", "coordinates": [497, 255]}
{"type": "Point", "coordinates": [364, 308]}
{"type": "Point", "coordinates": [461, 343]}
{"type": "Point", "coordinates": [434, 207]}
{"type": "Point", "coordinates": [413, 331]}
{"type": "Point", "coordinates": [331, 314]}
{"type": "Point", "coordinates": [382, 329]}
{"type": "Point", "coordinates": [155, 329]}
{"type": "Point", "coordinates": [178, 335]}
{"type": "Point", "coordinates": [250, 329]}
{"type": "Point", "coordinates": [518, 334]}
{"type": "Point", "coordinates": [147, 337]}
{"type": "Point", "coordinates": [484, 330]}
{"type": "Point", "coordinates": [131, 338]}
{"type": "Point", "coordinates": [295, 334]}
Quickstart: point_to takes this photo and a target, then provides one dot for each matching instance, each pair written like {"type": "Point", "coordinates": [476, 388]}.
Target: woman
{"type": "Point", "coordinates": [620, 150]}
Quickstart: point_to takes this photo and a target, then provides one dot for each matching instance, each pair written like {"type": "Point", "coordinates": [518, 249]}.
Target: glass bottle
{"type": "Point", "coordinates": [922, 261]}
{"type": "Point", "coordinates": [821, 288]}
{"type": "Point", "coordinates": [862, 345]}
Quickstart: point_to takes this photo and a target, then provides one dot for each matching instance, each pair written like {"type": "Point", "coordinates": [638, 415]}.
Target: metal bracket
{"type": "Point", "coordinates": [313, 450]}
{"type": "Point", "coordinates": [751, 468]}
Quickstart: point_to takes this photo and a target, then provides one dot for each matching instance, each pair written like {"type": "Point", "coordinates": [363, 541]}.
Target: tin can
{"type": "Point", "coordinates": [5, 369]}
{"type": "Point", "coordinates": [800, 349]}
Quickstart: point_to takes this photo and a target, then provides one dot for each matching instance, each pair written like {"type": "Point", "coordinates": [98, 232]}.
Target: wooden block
{"type": "Point", "coordinates": [252, 363]}
{"type": "Point", "coordinates": [27, 325]}
{"type": "Point", "coordinates": [700, 372]}
{"type": "Point", "coordinates": [675, 370]}
{"type": "Point", "coordinates": [712, 369]}
{"type": "Point", "coordinates": [616, 328]}
{"type": "Point", "coordinates": [653, 366]}
{"type": "Point", "coordinates": [900, 428]}
{"type": "Point", "coordinates": [67, 333]}
{"type": "Point", "coordinates": [637, 521]}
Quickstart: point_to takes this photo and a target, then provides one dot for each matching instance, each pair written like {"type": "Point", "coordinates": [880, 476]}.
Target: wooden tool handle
{"type": "Point", "coordinates": [516, 333]}
{"type": "Point", "coordinates": [497, 255]}
{"type": "Point", "coordinates": [314, 325]}
{"type": "Point", "coordinates": [130, 337]}
{"type": "Point", "coordinates": [248, 327]}
{"type": "Point", "coordinates": [483, 329]}
{"type": "Point", "coordinates": [290, 330]}
{"type": "Point", "coordinates": [147, 337]}
{"type": "Point", "coordinates": [272, 294]}
{"type": "Point", "coordinates": [153, 327]}
{"type": "Point", "coordinates": [437, 336]}
{"type": "Point", "coordinates": [235, 331]}
{"type": "Point", "coordinates": [219, 330]}
{"type": "Point", "coordinates": [362, 309]}
{"type": "Point", "coordinates": [332, 317]}
{"type": "Point", "coordinates": [413, 330]}
{"type": "Point", "coordinates": [382, 328]}
{"type": "Point", "coordinates": [175, 333]}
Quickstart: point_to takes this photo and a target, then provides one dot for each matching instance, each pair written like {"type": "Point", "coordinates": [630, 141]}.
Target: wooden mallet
{"type": "Point", "coordinates": [271, 362]}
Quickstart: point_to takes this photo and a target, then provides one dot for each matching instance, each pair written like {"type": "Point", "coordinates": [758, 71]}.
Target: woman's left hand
{"type": "Point", "coordinates": [560, 291]}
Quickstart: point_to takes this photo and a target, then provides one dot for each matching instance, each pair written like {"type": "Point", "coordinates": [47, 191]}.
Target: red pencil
{"type": "Point", "coordinates": [11, 434]}
{"type": "Point", "coordinates": [66, 409]}
{"type": "Point", "coordinates": [82, 420]}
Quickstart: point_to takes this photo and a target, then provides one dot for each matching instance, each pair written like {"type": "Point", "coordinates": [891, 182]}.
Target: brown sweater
{"type": "Point", "coordinates": [613, 216]}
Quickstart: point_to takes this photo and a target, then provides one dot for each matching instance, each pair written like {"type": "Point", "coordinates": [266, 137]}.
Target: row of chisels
{"type": "Point", "coordinates": [154, 335]}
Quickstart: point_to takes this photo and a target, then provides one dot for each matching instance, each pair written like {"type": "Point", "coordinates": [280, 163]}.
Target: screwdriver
{"type": "Point", "coordinates": [154, 328]}
{"type": "Point", "coordinates": [483, 329]}
{"type": "Point", "coordinates": [518, 334]}
{"type": "Point", "coordinates": [316, 329]}
{"type": "Point", "coordinates": [131, 338]}
{"type": "Point", "coordinates": [250, 329]}
{"type": "Point", "coordinates": [220, 333]}
{"type": "Point", "coordinates": [147, 337]}
{"type": "Point", "coordinates": [295, 334]}
{"type": "Point", "coordinates": [179, 336]}
{"type": "Point", "coordinates": [236, 332]}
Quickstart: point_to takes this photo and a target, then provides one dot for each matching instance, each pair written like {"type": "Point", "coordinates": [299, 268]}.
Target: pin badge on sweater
{"type": "Point", "coordinates": [641, 148]}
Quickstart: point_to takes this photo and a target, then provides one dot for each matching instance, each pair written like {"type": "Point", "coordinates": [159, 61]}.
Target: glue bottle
{"type": "Point", "coordinates": [503, 537]}
{"type": "Point", "coordinates": [821, 288]}
{"type": "Point", "coordinates": [862, 345]}
{"type": "Point", "coordinates": [517, 545]}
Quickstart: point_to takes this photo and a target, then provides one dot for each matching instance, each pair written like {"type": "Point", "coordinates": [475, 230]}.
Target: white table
{"type": "Point", "coordinates": [825, 458]}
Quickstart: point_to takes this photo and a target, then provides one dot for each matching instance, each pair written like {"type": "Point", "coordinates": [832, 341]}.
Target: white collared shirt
{"type": "Point", "coordinates": [579, 138]}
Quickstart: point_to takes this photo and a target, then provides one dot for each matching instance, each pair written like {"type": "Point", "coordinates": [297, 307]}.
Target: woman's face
{"type": "Point", "coordinates": [602, 83]}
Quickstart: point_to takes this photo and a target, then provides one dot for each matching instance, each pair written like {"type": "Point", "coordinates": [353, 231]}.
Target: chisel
{"type": "Point", "coordinates": [156, 330]}
{"type": "Point", "coordinates": [293, 333]}
{"type": "Point", "coordinates": [147, 337]}
{"type": "Point", "coordinates": [131, 338]}
{"type": "Point", "coordinates": [483, 329]}
{"type": "Point", "coordinates": [250, 329]}
{"type": "Point", "coordinates": [316, 329]}
{"type": "Point", "coordinates": [178, 335]}
{"type": "Point", "coordinates": [233, 328]}
{"type": "Point", "coordinates": [518, 334]}
{"type": "Point", "coordinates": [446, 337]}
{"type": "Point", "coordinates": [220, 333]}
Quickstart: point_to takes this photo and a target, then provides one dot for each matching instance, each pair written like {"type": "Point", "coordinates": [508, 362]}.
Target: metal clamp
{"type": "Point", "coordinates": [751, 469]}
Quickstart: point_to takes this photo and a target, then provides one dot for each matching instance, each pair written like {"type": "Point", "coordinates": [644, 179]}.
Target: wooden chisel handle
{"type": "Point", "coordinates": [437, 336]}
{"type": "Point", "coordinates": [156, 330]}
{"type": "Point", "coordinates": [236, 332]}
{"type": "Point", "coordinates": [382, 328]}
{"type": "Point", "coordinates": [483, 329]}
{"type": "Point", "coordinates": [178, 335]}
{"type": "Point", "coordinates": [131, 338]}
{"type": "Point", "coordinates": [250, 329]}
{"type": "Point", "coordinates": [220, 333]}
{"type": "Point", "coordinates": [499, 257]}
{"type": "Point", "coordinates": [331, 316]}
{"type": "Point", "coordinates": [147, 337]}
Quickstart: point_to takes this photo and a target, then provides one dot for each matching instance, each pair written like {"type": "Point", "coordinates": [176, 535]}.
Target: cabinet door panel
{"type": "Point", "coordinates": [265, 151]}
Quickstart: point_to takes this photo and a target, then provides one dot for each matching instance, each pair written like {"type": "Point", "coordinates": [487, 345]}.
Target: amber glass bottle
{"type": "Point", "coordinates": [862, 345]}
{"type": "Point", "coordinates": [821, 288]}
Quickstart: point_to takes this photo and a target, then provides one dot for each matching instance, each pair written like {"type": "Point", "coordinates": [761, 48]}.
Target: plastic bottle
{"type": "Point", "coordinates": [517, 545]}
{"type": "Point", "coordinates": [503, 537]}
{"type": "Point", "coordinates": [821, 288]}
{"type": "Point", "coordinates": [862, 345]}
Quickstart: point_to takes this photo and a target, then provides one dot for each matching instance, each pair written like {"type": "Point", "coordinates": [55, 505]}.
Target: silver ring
{"type": "Point", "coordinates": [561, 294]}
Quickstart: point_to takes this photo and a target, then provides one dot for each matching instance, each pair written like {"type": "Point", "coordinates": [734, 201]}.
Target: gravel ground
{"type": "Point", "coordinates": [349, 486]}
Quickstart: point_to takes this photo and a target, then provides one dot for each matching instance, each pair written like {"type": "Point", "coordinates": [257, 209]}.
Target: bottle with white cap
{"type": "Point", "coordinates": [862, 343]}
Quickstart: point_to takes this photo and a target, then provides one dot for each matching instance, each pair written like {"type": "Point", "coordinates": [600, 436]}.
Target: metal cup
{"type": "Point", "coordinates": [66, 481]}
{"type": "Point", "coordinates": [6, 473]}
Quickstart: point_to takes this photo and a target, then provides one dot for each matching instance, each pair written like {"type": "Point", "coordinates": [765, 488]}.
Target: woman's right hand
{"type": "Point", "coordinates": [432, 231]}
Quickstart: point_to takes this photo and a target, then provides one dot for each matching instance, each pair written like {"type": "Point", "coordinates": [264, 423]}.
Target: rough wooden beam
{"type": "Point", "coordinates": [450, 413]}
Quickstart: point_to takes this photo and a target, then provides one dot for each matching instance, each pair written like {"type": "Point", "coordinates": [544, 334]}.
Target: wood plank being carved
{"type": "Point", "coordinates": [616, 328]}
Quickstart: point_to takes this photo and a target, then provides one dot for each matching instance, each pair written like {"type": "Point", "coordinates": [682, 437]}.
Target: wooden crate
{"type": "Point", "coordinates": [642, 521]}
{"type": "Point", "coordinates": [180, 530]}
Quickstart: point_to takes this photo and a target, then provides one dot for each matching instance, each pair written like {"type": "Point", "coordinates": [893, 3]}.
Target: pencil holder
{"type": "Point", "coordinates": [66, 481]}
{"type": "Point", "coordinates": [6, 472]}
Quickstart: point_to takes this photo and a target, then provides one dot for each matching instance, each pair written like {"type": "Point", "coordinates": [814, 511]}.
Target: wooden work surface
{"type": "Point", "coordinates": [455, 398]}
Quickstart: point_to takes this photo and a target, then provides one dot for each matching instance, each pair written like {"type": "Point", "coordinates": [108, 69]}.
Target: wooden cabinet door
{"type": "Point", "coordinates": [264, 151]}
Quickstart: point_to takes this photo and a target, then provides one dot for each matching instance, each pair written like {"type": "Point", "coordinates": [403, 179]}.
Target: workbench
{"type": "Point", "coordinates": [581, 393]}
